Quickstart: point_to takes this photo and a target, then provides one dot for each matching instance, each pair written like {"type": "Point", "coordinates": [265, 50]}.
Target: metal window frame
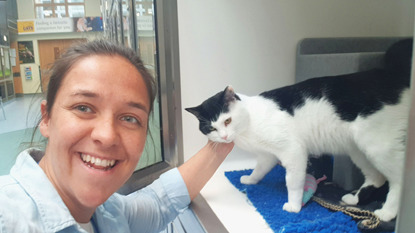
{"type": "Point", "coordinates": [168, 69]}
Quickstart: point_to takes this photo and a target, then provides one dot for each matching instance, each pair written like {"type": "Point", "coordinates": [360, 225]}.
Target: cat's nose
{"type": "Point", "coordinates": [225, 137]}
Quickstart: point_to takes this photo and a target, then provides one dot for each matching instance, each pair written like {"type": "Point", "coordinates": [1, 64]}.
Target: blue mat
{"type": "Point", "coordinates": [268, 197]}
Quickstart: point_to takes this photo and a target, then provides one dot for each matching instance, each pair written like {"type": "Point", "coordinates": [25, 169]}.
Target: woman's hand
{"type": "Point", "coordinates": [197, 171]}
{"type": "Point", "coordinates": [219, 148]}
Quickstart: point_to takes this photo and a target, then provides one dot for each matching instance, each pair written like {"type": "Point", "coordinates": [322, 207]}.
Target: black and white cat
{"type": "Point", "coordinates": [363, 115]}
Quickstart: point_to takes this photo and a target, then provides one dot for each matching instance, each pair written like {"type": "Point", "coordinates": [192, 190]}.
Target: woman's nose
{"type": "Point", "coordinates": [105, 132]}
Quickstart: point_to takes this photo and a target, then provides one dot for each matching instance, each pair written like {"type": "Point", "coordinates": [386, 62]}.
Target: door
{"type": "Point", "coordinates": [49, 51]}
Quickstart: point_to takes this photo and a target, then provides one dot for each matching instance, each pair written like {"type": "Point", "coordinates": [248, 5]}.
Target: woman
{"type": "Point", "coordinates": [95, 118]}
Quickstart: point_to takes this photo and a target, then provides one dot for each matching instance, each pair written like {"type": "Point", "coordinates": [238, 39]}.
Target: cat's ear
{"type": "Point", "coordinates": [229, 95]}
{"type": "Point", "coordinates": [195, 111]}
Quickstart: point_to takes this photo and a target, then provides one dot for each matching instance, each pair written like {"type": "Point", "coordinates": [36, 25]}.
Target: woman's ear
{"type": "Point", "coordinates": [44, 122]}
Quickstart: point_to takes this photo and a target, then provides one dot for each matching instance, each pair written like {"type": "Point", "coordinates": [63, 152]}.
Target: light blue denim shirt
{"type": "Point", "coordinates": [30, 203]}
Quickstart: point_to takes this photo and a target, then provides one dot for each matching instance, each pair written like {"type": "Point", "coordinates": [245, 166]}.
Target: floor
{"type": "Point", "coordinates": [22, 114]}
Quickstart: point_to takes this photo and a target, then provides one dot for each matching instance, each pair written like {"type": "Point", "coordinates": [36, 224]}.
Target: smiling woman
{"type": "Point", "coordinates": [95, 118]}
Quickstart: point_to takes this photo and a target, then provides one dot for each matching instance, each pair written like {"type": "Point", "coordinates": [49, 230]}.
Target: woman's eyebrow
{"type": "Point", "coordinates": [84, 93]}
{"type": "Point", "coordinates": [90, 94]}
{"type": "Point", "coordinates": [138, 105]}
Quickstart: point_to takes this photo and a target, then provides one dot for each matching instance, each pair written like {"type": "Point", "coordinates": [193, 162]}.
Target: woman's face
{"type": "Point", "coordinates": [96, 129]}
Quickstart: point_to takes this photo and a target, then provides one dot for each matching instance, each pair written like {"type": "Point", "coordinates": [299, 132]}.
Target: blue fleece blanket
{"type": "Point", "coordinates": [268, 197]}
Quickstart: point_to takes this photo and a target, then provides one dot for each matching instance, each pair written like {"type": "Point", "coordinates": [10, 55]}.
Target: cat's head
{"type": "Point", "coordinates": [220, 116]}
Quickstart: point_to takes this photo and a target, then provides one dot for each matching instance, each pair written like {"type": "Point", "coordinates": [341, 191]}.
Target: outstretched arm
{"type": "Point", "coordinates": [197, 171]}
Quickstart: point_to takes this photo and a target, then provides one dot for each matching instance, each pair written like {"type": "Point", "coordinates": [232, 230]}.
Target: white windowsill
{"type": "Point", "coordinates": [229, 204]}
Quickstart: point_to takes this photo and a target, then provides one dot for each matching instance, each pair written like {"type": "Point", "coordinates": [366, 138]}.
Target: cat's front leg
{"type": "Point", "coordinates": [265, 162]}
{"type": "Point", "coordinates": [295, 179]}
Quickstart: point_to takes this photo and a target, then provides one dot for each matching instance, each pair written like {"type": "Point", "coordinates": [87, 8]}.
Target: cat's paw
{"type": "Point", "coordinates": [248, 180]}
{"type": "Point", "coordinates": [350, 199]}
{"type": "Point", "coordinates": [385, 215]}
{"type": "Point", "coordinates": [289, 207]}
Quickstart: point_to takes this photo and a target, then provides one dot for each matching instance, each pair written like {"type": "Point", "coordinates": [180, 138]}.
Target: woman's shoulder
{"type": "Point", "coordinates": [16, 208]}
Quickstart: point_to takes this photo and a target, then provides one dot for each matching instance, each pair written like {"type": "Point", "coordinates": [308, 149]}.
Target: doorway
{"type": "Point", "coordinates": [49, 51]}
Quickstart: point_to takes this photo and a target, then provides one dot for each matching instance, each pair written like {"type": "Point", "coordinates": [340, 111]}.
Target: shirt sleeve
{"type": "Point", "coordinates": [152, 208]}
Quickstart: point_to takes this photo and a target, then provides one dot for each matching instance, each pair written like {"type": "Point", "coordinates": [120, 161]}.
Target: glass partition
{"type": "Point", "coordinates": [142, 25]}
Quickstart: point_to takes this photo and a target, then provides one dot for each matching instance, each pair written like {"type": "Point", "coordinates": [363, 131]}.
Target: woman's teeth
{"type": "Point", "coordinates": [102, 163]}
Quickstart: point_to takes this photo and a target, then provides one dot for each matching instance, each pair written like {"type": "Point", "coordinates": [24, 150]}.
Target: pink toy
{"type": "Point", "coordinates": [310, 187]}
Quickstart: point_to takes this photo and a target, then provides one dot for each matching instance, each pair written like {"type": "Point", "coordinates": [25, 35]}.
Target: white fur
{"type": "Point", "coordinates": [374, 143]}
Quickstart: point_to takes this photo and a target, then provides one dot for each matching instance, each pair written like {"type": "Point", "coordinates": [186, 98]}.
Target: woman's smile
{"type": "Point", "coordinates": [98, 163]}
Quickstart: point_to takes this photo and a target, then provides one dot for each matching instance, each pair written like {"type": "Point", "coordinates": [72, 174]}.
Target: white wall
{"type": "Point", "coordinates": [252, 44]}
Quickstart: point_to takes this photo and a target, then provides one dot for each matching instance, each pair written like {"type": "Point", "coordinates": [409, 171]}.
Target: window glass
{"type": "Point", "coordinates": [76, 11]}
{"type": "Point", "coordinates": [60, 11]}
{"type": "Point", "coordinates": [59, 8]}
{"type": "Point", "coordinates": [44, 12]}
{"type": "Point", "coordinates": [138, 34]}
{"type": "Point", "coordinates": [42, 1]}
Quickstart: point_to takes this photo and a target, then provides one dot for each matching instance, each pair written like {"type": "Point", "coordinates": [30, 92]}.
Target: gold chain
{"type": "Point", "coordinates": [370, 220]}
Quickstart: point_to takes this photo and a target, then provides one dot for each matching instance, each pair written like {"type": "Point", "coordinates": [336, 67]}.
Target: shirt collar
{"type": "Point", "coordinates": [34, 181]}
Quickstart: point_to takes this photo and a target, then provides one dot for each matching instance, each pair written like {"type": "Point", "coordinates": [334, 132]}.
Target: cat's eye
{"type": "Point", "coordinates": [228, 121]}
{"type": "Point", "coordinates": [212, 129]}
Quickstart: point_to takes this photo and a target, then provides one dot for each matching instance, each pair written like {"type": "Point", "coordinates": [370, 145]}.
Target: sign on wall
{"type": "Point", "coordinates": [59, 25]}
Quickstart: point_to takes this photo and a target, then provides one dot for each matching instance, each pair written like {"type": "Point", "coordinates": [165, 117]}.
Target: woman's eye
{"type": "Point", "coordinates": [83, 108]}
{"type": "Point", "coordinates": [130, 119]}
{"type": "Point", "coordinates": [228, 121]}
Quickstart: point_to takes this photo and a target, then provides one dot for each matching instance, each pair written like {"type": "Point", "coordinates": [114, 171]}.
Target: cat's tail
{"type": "Point", "coordinates": [398, 58]}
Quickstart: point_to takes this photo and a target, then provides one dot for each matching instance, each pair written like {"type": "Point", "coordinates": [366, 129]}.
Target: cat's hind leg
{"type": "Point", "coordinates": [265, 162]}
{"type": "Point", "coordinates": [372, 179]}
{"type": "Point", "coordinates": [390, 163]}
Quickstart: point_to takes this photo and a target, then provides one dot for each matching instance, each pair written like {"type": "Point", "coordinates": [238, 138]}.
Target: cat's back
{"type": "Point", "coordinates": [355, 94]}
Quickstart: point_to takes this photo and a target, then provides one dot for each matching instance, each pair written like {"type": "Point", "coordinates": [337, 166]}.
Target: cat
{"type": "Point", "coordinates": [363, 115]}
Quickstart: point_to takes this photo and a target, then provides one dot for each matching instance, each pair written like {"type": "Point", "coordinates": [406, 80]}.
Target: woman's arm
{"type": "Point", "coordinates": [197, 171]}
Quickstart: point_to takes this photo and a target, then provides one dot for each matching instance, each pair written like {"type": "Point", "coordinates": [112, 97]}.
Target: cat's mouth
{"type": "Point", "coordinates": [97, 163]}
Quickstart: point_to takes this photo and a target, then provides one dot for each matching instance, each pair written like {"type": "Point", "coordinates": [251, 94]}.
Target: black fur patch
{"type": "Point", "coordinates": [370, 194]}
{"type": "Point", "coordinates": [356, 94]}
{"type": "Point", "coordinates": [209, 111]}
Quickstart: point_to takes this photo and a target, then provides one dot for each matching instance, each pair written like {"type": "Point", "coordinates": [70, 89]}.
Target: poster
{"type": "Point", "coordinates": [60, 25]}
{"type": "Point", "coordinates": [26, 52]}
{"type": "Point", "coordinates": [28, 73]}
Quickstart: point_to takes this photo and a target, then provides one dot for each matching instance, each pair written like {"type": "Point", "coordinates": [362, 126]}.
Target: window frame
{"type": "Point", "coordinates": [168, 69]}
{"type": "Point", "coordinates": [52, 5]}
